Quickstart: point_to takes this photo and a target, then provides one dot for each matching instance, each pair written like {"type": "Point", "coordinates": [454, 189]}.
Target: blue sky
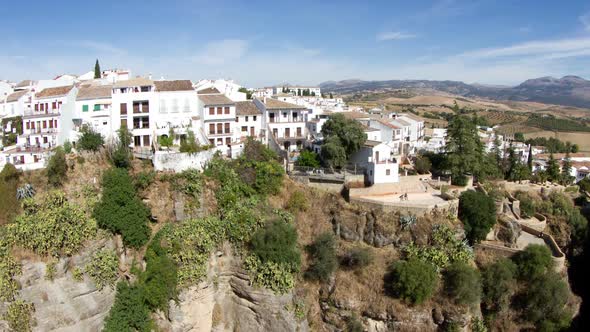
{"type": "Point", "coordinates": [305, 42]}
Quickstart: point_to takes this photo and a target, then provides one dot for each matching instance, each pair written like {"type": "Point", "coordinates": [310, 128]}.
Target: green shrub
{"type": "Point", "coordinates": [277, 243]}
{"type": "Point", "coordinates": [9, 269]}
{"type": "Point", "coordinates": [190, 144]}
{"type": "Point", "coordinates": [277, 277]}
{"type": "Point", "coordinates": [80, 160]}
{"type": "Point", "coordinates": [159, 280]}
{"type": "Point", "coordinates": [561, 204]}
{"type": "Point", "coordinates": [308, 159]}
{"type": "Point", "coordinates": [477, 211]}
{"type": "Point", "coordinates": [50, 270]}
{"type": "Point", "coordinates": [462, 283]}
{"type": "Point", "coordinates": [297, 202]}
{"type": "Point", "coordinates": [57, 168]}
{"type": "Point", "coordinates": [103, 268]}
{"type": "Point", "coordinates": [323, 257]}
{"type": "Point", "coordinates": [121, 156]}
{"type": "Point", "coordinates": [357, 258]}
{"type": "Point", "coordinates": [498, 284]}
{"type": "Point", "coordinates": [144, 179]}
{"type": "Point", "coordinates": [67, 146]}
{"type": "Point", "coordinates": [422, 165]}
{"type": "Point", "coordinates": [534, 261]}
{"type": "Point", "coordinates": [19, 316]}
{"type": "Point", "coordinates": [52, 226]}
{"type": "Point", "coordinates": [353, 324]}
{"type": "Point", "coordinates": [120, 210]}
{"type": "Point", "coordinates": [443, 249]}
{"type": "Point", "coordinates": [528, 204]}
{"type": "Point", "coordinates": [9, 205]}
{"type": "Point", "coordinates": [189, 245]}
{"type": "Point", "coordinates": [544, 300]}
{"type": "Point", "coordinates": [129, 313]}
{"type": "Point", "coordinates": [77, 274]}
{"type": "Point", "coordinates": [578, 227]}
{"type": "Point", "coordinates": [413, 281]}
{"type": "Point", "coordinates": [90, 140]}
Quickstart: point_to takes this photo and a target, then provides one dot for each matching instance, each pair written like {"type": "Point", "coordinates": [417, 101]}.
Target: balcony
{"type": "Point", "coordinates": [35, 114]}
{"type": "Point", "coordinates": [40, 131]}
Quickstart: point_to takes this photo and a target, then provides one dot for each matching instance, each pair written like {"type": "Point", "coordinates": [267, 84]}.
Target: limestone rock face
{"type": "Point", "coordinates": [227, 302]}
{"type": "Point", "coordinates": [65, 304]}
{"type": "Point", "coordinates": [508, 231]}
{"type": "Point", "coordinates": [364, 226]}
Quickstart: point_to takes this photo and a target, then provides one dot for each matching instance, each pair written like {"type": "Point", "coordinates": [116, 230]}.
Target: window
{"type": "Point", "coordinates": [123, 108]}
{"type": "Point", "coordinates": [145, 89]}
{"type": "Point", "coordinates": [54, 105]}
{"type": "Point", "coordinates": [244, 128]}
{"type": "Point", "coordinates": [211, 141]}
{"type": "Point", "coordinates": [146, 140]}
{"type": "Point", "coordinates": [175, 108]}
{"type": "Point", "coordinates": [219, 141]}
{"type": "Point", "coordinates": [254, 118]}
{"type": "Point", "coordinates": [227, 141]}
{"type": "Point", "coordinates": [227, 128]}
{"type": "Point", "coordinates": [42, 107]}
{"type": "Point", "coordinates": [45, 140]}
{"type": "Point", "coordinates": [36, 107]}
{"type": "Point", "coordinates": [299, 132]}
{"type": "Point", "coordinates": [123, 123]}
{"type": "Point", "coordinates": [50, 123]}
{"type": "Point", "coordinates": [55, 123]}
{"type": "Point", "coordinates": [187, 106]}
{"type": "Point", "coordinates": [211, 110]}
{"type": "Point", "coordinates": [28, 125]}
{"type": "Point", "coordinates": [226, 110]}
{"type": "Point", "coordinates": [387, 172]}
{"type": "Point", "coordinates": [219, 110]}
{"type": "Point", "coordinates": [96, 107]}
{"type": "Point", "coordinates": [246, 118]}
{"type": "Point", "coordinates": [220, 128]}
{"type": "Point", "coordinates": [212, 128]}
{"type": "Point", "coordinates": [84, 108]}
{"type": "Point", "coordinates": [284, 114]}
{"type": "Point", "coordinates": [44, 124]}
{"type": "Point", "coordinates": [32, 125]}
{"type": "Point", "coordinates": [136, 140]}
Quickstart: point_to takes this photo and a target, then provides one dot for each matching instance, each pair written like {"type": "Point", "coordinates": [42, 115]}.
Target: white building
{"type": "Point", "coordinates": [379, 160]}
{"type": "Point", "coordinates": [93, 108]}
{"type": "Point", "coordinates": [15, 104]}
{"type": "Point", "coordinates": [285, 123]}
{"type": "Point", "coordinates": [219, 119]}
{"type": "Point", "coordinates": [249, 119]}
{"type": "Point", "coordinates": [227, 87]}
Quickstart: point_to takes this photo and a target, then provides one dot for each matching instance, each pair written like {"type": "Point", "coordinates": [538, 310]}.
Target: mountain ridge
{"type": "Point", "coordinates": [569, 90]}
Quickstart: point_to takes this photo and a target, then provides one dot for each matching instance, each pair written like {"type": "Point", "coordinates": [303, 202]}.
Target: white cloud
{"type": "Point", "coordinates": [585, 20]}
{"type": "Point", "coordinates": [394, 35]}
{"type": "Point", "coordinates": [222, 51]}
{"type": "Point", "coordinates": [548, 48]}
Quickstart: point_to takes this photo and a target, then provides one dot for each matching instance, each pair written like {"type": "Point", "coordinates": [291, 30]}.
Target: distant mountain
{"type": "Point", "coordinates": [567, 91]}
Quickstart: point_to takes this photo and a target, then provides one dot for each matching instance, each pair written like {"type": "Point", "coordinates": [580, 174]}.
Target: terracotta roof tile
{"type": "Point", "coordinates": [273, 104]}
{"type": "Point", "coordinates": [247, 108]}
{"type": "Point", "coordinates": [215, 100]}
{"type": "Point", "coordinates": [138, 81]}
{"type": "Point", "coordinates": [208, 91]}
{"type": "Point", "coordinates": [16, 95]}
{"type": "Point", "coordinates": [54, 92]}
{"type": "Point", "coordinates": [178, 85]}
{"type": "Point", "coordinates": [94, 92]}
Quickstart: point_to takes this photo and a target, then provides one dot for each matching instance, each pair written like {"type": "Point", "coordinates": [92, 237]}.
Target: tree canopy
{"type": "Point", "coordinates": [477, 211]}
{"type": "Point", "coordinates": [350, 133]}
{"type": "Point", "coordinates": [464, 149]}
{"type": "Point", "coordinates": [97, 72]}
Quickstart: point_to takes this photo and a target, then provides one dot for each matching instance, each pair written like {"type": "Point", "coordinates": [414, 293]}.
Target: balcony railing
{"type": "Point", "coordinates": [41, 131]}
{"type": "Point", "coordinates": [53, 111]}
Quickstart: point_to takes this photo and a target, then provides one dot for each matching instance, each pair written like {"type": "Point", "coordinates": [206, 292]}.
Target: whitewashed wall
{"type": "Point", "coordinates": [178, 162]}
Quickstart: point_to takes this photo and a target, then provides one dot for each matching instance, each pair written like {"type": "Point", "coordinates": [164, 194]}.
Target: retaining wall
{"type": "Point", "coordinates": [178, 162]}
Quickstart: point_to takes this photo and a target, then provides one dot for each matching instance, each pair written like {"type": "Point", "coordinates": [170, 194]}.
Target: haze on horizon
{"type": "Point", "coordinates": [263, 42]}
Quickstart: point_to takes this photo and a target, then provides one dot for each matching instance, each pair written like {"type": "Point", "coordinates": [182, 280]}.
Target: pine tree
{"type": "Point", "coordinates": [552, 169]}
{"type": "Point", "coordinates": [465, 150]}
{"type": "Point", "coordinates": [566, 169]}
{"type": "Point", "coordinates": [512, 162]}
{"type": "Point", "coordinates": [97, 73]}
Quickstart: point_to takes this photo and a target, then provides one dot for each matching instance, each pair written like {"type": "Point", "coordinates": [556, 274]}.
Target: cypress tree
{"type": "Point", "coordinates": [97, 73]}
